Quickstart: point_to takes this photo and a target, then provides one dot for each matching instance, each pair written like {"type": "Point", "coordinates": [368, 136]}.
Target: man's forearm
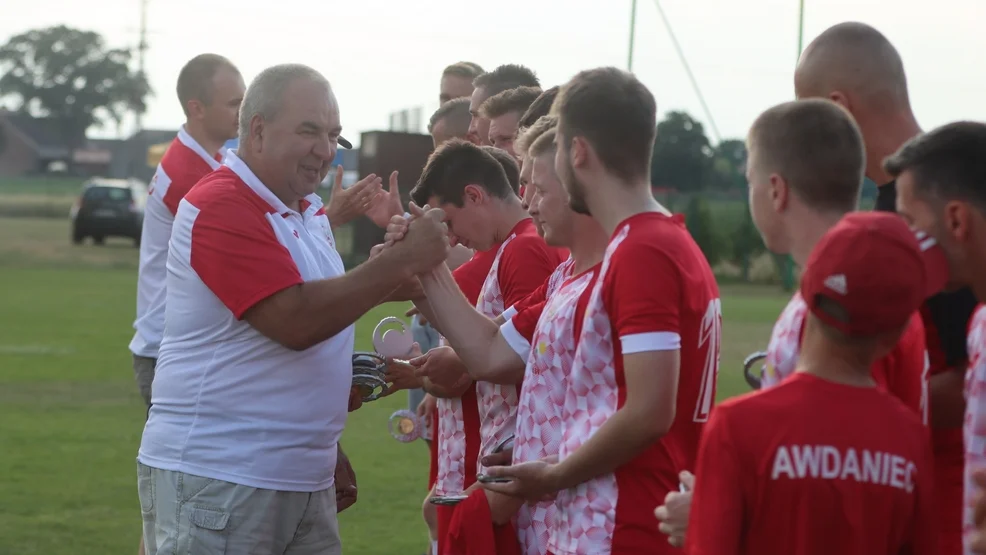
{"type": "Point", "coordinates": [474, 337]}
{"type": "Point", "coordinates": [946, 391]}
{"type": "Point", "coordinates": [617, 442]}
{"type": "Point", "coordinates": [314, 311]}
{"type": "Point", "coordinates": [445, 393]}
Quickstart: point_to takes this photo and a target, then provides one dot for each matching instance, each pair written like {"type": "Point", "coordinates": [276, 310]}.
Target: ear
{"type": "Point", "coordinates": [957, 220]}
{"type": "Point", "coordinates": [841, 99]}
{"type": "Point", "coordinates": [579, 152]}
{"type": "Point", "coordinates": [779, 193]}
{"type": "Point", "coordinates": [473, 194]}
{"type": "Point", "coordinates": [196, 109]}
{"type": "Point", "coordinates": [257, 131]}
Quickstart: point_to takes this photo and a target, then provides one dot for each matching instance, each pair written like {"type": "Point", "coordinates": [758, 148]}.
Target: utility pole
{"type": "Point", "coordinates": [787, 268]}
{"type": "Point", "coordinates": [801, 27]}
{"type": "Point", "coordinates": [633, 32]}
{"type": "Point", "coordinates": [141, 51]}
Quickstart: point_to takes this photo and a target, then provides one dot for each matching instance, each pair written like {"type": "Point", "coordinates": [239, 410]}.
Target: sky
{"type": "Point", "coordinates": [386, 55]}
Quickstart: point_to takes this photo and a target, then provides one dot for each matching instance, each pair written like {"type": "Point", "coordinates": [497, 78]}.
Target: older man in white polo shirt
{"type": "Point", "coordinates": [240, 450]}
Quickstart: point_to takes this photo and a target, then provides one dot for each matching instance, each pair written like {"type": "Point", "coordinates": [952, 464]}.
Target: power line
{"type": "Point", "coordinates": [633, 32]}
{"type": "Point", "coordinates": [688, 70]}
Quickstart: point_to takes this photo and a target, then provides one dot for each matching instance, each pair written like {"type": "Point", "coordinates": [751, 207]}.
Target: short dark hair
{"type": "Point", "coordinates": [455, 110]}
{"type": "Point", "coordinates": [539, 108]}
{"type": "Point", "coordinates": [454, 165]}
{"type": "Point", "coordinates": [615, 113]}
{"type": "Point", "coordinates": [817, 147]}
{"type": "Point", "coordinates": [195, 78]}
{"type": "Point", "coordinates": [506, 77]}
{"type": "Point", "coordinates": [513, 100]}
{"type": "Point", "coordinates": [510, 167]}
{"type": "Point", "coordinates": [468, 70]}
{"type": "Point", "coordinates": [947, 163]}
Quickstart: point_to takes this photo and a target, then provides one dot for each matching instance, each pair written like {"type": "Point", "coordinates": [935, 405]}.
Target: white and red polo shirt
{"type": "Point", "coordinates": [523, 263]}
{"type": "Point", "coordinates": [183, 165]}
{"type": "Point", "coordinates": [228, 402]}
{"type": "Point", "coordinates": [655, 292]}
{"type": "Point", "coordinates": [552, 328]}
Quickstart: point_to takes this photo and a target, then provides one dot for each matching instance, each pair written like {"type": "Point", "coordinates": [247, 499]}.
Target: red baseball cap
{"type": "Point", "coordinates": [871, 272]}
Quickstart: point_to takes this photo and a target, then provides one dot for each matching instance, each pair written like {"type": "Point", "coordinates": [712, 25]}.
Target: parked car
{"type": "Point", "coordinates": [109, 208]}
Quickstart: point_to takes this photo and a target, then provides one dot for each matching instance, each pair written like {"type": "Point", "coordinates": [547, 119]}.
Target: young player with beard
{"type": "Point", "coordinates": [826, 462]}
{"type": "Point", "coordinates": [940, 192]}
{"type": "Point", "coordinates": [805, 170]}
{"type": "Point", "coordinates": [499, 354]}
{"type": "Point", "coordinates": [855, 65]}
{"type": "Point", "coordinates": [643, 378]}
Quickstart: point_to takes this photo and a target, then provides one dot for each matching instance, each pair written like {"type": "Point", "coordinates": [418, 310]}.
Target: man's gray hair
{"type": "Point", "coordinates": [265, 95]}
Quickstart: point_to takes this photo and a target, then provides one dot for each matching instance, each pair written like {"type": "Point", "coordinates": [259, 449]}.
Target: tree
{"type": "Point", "coordinates": [71, 75]}
{"type": "Point", "coordinates": [682, 157]}
{"type": "Point", "coordinates": [702, 227]}
{"type": "Point", "coordinates": [729, 165]}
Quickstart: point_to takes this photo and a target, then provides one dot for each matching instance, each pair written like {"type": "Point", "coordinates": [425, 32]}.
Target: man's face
{"type": "Point", "coordinates": [762, 206]}
{"type": "Point", "coordinates": [220, 117]}
{"type": "Point", "coordinates": [503, 130]}
{"type": "Point", "coordinates": [566, 174]}
{"type": "Point", "coordinates": [470, 224]}
{"type": "Point", "coordinates": [454, 86]}
{"type": "Point", "coordinates": [951, 224]}
{"type": "Point", "coordinates": [526, 168]}
{"type": "Point", "coordinates": [299, 144]}
{"type": "Point", "coordinates": [479, 127]}
{"type": "Point", "coordinates": [550, 203]}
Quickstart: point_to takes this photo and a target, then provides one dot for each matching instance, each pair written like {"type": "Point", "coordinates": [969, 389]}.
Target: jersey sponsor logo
{"type": "Point", "coordinates": [798, 462]}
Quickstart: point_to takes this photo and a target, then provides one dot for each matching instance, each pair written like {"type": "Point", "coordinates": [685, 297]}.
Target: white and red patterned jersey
{"type": "Point", "coordinates": [903, 372]}
{"type": "Point", "coordinates": [974, 428]}
{"type": "Point", "coordinates": [523, 262]}
{"type": "Point", "coordinates": [546, 334]}
{"type": "Point", "coordinates": [183, 165]}
{"type": "Point", "coordinates": [541, 294]}
{"type": "Point", "coordinates": [655, 292]}
{"type": "Point", "coordinates": [457, 441]}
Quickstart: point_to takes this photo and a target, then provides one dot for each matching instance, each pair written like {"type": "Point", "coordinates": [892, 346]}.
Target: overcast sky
{"type": "Point", "coordinates": [385, 55]}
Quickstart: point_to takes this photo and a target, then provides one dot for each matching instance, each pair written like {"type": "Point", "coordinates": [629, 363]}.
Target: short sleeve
{"type": "Point", "coordinates": [235, 253]}
{"type": "Point", "coordinates": [948, 315]}
{"type": "Point", "coordinates": [645, 298]}
{"type": "Point", "coordinates": [524, 266]}
{"type": "Point", "coordinates": [519, 330]}
{"type": "Point", "coordinates": [715, 523]}
{"type": "Point", "coordinates": [537, 296]}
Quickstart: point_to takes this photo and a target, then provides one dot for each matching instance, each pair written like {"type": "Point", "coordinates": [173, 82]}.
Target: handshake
{"type": "Point", "coordinates": [419, 239]}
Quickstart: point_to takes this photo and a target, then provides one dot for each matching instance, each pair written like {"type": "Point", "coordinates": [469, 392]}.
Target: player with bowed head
{"type": "Point", "coordinates": [643, 378]}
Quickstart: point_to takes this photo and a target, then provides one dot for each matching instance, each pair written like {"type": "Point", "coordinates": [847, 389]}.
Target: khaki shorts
{"type": "Point", "coordinates": [202, 516]}
{"type": "Point", "coordinates": [144, 374]}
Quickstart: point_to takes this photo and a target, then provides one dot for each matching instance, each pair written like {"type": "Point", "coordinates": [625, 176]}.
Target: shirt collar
{"type": "Point", "coordinates": [195, 147]}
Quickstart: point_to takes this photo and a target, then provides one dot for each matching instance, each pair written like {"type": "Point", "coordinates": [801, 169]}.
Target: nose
{"type": "Point", "coordinates": [325, 148]}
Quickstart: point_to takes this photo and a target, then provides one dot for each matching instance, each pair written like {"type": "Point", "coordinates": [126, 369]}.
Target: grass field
{"type": "Point", "coordinates": [71, 418]}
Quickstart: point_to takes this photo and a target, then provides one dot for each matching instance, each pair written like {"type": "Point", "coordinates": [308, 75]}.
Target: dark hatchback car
{"type": "Point", "coordinates": [109, 208]}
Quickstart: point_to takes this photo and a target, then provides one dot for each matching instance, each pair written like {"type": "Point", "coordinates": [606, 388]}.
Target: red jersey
{"type": "Point", "coordinates": [813, 467]}
{"type": "Point", "coordinates": [903, 372]}
{"type": "Point", "coordinates": [522, 264]}
{"type": "Point", "coordinates": [541, 294]}
{"type": "Point", "coordinates": [655, 292]}
{"type": "Point", "coordinates": [553, 328]}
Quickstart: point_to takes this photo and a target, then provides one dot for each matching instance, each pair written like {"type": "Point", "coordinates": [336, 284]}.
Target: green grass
{"type": "Point", "coordinates": [71, 418]}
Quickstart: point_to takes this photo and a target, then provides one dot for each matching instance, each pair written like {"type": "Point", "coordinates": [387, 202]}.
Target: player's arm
{"type": "Point", "coordinates": [503, 508]}
{"type": "Point", "coordinates": [950, 314]}
{"type": "Point", "coordinates": [645, 317]}
{"type": "Point", "coordinates": [715, 523]}
{"type": "Point", "coordinates": [484, 353]}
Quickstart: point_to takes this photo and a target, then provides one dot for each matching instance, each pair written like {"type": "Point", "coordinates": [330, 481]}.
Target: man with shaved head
{"type": "Point", "coordinates": [855, 65]}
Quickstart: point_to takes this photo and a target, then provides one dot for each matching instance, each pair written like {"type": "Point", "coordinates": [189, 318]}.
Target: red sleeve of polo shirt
{"type": "Point", "coordinates": [236, 254]}
{"type": "Point", "coordinates": [645, 295]}
{"type": "Point", "coordinates": [715, 523]}
{"type": "Point", "coordinates": [525, 265]}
